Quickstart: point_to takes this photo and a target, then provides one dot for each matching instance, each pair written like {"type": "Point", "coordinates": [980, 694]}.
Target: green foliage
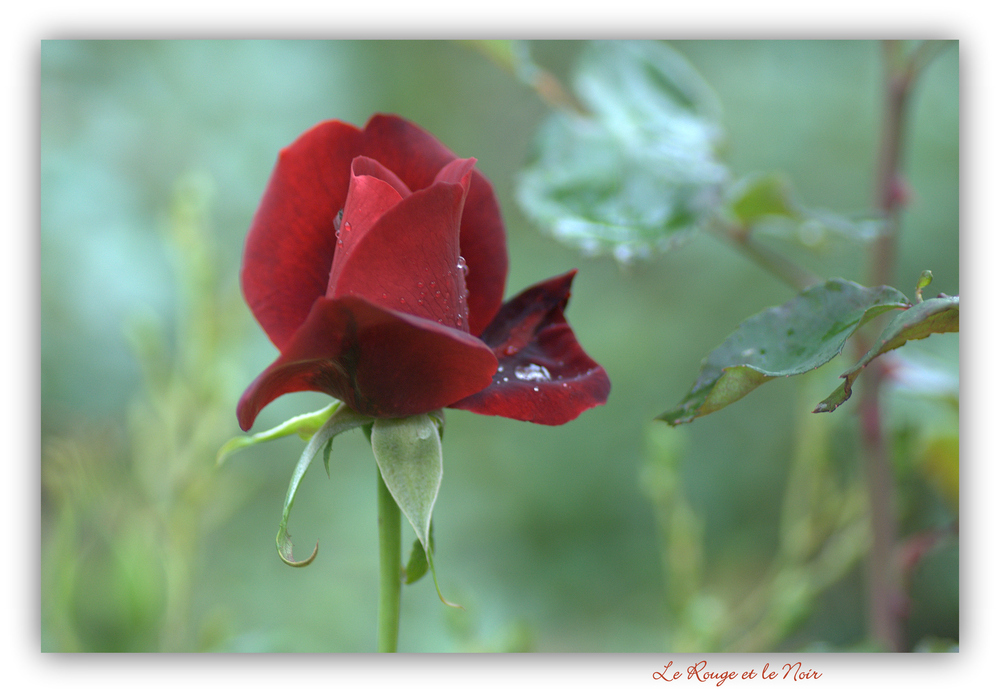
{"type": "Point", "coordinates": [639, 169]}
{"type": "Point", "coordinates": [342, 419]}
{"type": "Point", "coordinates": [939, 315]}
{"type": "Point", "coordinates": [801, 335]}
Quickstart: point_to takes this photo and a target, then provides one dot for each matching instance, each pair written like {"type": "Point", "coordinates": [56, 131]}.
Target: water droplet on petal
{"type": "Point", "coordinates": [347, 227]}
{"type": "Point", "coordinates": [536, 388]}
{"type": "Point", "coordinates": [463, 266]}
{"type": "Point", "coordinates": [532, 372]}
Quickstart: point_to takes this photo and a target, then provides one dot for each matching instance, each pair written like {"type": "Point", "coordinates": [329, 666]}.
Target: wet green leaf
{"type": "Point", "coordinates": [408, 453]}
{"type": "Point", "coordinates": [798, 336]}
{"type": "Point", "coordinates": [639, 169]}
{"type": "Point", "coordinates": [341, 421]}
{"type": "Point", "coordinates": [938, 315]}
{"type": "Point", "coordinates": [305, 426]}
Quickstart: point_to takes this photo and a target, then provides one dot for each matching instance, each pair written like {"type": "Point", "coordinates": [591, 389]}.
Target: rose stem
{"type": "Point", "coordinates": [885, 620]}
{"type": "Point", "coordinates": [390, 572]}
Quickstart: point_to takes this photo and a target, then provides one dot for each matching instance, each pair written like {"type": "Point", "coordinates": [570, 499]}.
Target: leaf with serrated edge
{"type": "Point", "coordinates": [341, 421]}
{"type": "Point", "coordinates": [801, 335]}
{"type": "Point", "coordinates": [304, 425]}
{"type": "Point", "coordinates": [408, 453]}
{"type": "Point", "coordinates": [939, 315]}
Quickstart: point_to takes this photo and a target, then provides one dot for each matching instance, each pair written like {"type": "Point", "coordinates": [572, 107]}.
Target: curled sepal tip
{"type": "Point", "coordinates": [342, 420]}
{"type": "Point", "coordinates": [430, 563]}
{"type": "Point", "coordinates": [285, 551]}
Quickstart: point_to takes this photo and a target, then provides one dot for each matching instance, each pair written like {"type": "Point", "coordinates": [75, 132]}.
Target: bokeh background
{"type": "Point", "coordinates": [153, 157]}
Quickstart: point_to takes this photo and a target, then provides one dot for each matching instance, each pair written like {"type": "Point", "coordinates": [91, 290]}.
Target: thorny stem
{"type": "Point", "coordinates": [885, 599]}
{"type": "Point", "coordinates": [390, 568]}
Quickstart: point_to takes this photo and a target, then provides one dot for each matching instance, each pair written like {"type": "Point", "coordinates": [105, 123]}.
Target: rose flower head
{"type": "Point", "coordinates": [376, 264]}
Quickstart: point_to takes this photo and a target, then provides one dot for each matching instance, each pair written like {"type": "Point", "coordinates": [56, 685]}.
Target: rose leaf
{"type": "Point", "coordinates": [939, 315]}
{"type": "Point", "coordinates": [638, 171]}
{"type": "Point", "coordinates": [801, 335]}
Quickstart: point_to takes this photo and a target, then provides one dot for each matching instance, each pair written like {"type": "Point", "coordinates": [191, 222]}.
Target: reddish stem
{"type": "Point", "coordinates": [886, 601]}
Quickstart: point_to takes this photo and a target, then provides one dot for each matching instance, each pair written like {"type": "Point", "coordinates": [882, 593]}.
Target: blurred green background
{"type": "Point", "coordinates": [153, 157]}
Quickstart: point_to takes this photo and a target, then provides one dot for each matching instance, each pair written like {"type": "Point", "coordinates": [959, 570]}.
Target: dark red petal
{"type": "Point", "coordinates": [380, 363]}
{"type": "Point", "coordinates": [409, 259]}
{"type": "Point", "coordinates": [416, 157]}
{"type": "Point", "coordinates": [544, 375]}
{"type": "Point", "coordinates": [290, 246]}
{"type": "Point", "coordinates": [373, 191]}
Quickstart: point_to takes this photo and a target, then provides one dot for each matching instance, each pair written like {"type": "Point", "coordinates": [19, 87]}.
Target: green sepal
{"type": "Point", "coordinates": [342, 420]}
{"type": "Point", "coordinates": [938, 315]}
{"type": "Point", "coordinates": [408, 453]}
{"type": "Point", "coordinates": [417, 565]}
{"type": "Point", "coordinates": [305, 425]}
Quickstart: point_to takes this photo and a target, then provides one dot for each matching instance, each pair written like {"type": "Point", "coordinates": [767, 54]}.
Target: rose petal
{"type": "Point", "coordinates": [290, 245]}
{"type": "Point", "coordinates": [373, 191]}
{"type": "Point", "coordinates": [416, 157]}
{"type": "Point", "coordinates": [544, 375]}
{"type": "Point", "coordinates": [351, 350]}
{"type": "Point", "coordinates": [408, 260]}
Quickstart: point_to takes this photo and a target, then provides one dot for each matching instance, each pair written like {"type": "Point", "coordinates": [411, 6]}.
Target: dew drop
{"type": "Point", "coordinates": [420, 283]}
{"type": "Point", "coordinates": [506, 379]}
{"type": "Point", "coordinates": [532, 372]}
{"type": "Point", "coordinates": [347, 227]}
{"type": "Point", "coordinates": [463, 266]}
{"type": "Point", "coordinates": [535, 389]}
{"type": "Point", "coordinates": [500, 368]}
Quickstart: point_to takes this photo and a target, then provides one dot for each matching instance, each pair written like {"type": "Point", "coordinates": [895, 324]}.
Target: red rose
{"type": "Point", "coordinates": [375, 260]}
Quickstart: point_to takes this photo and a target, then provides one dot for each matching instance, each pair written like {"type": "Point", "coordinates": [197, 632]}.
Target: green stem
{"type": "Point", "coordinates": [390, 568]}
